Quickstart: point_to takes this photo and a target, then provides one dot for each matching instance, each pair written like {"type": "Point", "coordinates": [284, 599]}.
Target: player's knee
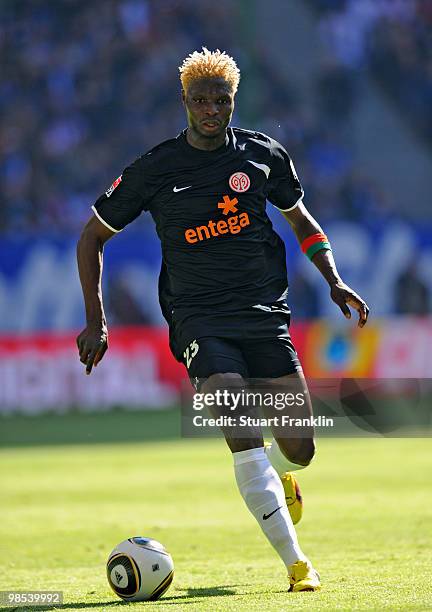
{"type": "Point", "coordinates": [306, 452]}
{"type": "Point", "coordinates": [301, 454]}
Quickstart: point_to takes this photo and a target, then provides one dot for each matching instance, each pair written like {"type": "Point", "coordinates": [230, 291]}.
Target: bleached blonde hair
{"type": "Point", "coordinates": [205, 64]}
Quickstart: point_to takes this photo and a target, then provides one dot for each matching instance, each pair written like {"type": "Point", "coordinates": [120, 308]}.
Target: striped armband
{"type": "Point", "coordinates": [313, 244]}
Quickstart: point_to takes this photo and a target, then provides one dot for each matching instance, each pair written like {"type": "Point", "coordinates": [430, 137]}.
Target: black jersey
{"type": "Point", "coordinates": [220, 251]}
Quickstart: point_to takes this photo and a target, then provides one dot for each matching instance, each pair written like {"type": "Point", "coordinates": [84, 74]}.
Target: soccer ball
{"type": "Point", "coordinates": [140, 569]}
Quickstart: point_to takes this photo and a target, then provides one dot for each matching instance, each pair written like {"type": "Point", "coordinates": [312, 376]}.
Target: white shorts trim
{"type": "Point", "coordinates": [104, 222]}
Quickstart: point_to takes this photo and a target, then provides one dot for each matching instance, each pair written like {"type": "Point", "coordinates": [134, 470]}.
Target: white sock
{"type": "Point", "coordinates": [263, 493]}
{"type": "Point", "coordinates": [278, 460]}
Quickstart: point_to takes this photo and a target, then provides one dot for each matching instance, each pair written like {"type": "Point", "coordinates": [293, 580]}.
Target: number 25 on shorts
{"type": "Point", "coordinates": [190, 352]}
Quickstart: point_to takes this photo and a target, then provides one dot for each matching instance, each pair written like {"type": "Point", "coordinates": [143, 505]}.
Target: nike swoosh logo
{"type": "Point", "coordinates": [267, 516]}
{"type": "Point", "coordinates": [262, 167]}
{"type": "Point", "coordinates": [175, 189]}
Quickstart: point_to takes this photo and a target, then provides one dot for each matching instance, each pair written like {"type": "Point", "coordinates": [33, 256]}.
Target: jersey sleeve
{"type": "Point", "coordinates": [127, 197]}
{"type": "Point", "coordinates": [285, 188]}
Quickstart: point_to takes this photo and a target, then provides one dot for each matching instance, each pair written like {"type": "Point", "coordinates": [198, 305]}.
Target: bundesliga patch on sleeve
{"type": "Point", "coordinates": [113, 186]}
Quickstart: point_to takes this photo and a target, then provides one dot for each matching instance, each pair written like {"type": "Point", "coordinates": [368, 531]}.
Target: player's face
{"type": "Point", "coordinates": [209, 104]}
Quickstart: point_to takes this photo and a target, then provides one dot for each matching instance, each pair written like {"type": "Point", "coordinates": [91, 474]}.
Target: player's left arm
{"type": "Point", "coordinates": [314, 243]}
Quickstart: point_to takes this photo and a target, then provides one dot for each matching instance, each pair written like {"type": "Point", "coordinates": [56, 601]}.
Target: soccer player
{"type": "Point", "coordinates": [223, 281]}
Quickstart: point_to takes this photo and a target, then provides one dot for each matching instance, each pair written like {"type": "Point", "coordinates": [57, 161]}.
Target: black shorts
{"type": "Point", "coordinates": [261, 358]}
{"type": "Point", "coordinates": [253, 341]}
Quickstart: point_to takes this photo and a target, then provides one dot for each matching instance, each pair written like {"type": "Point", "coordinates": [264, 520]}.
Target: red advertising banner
{"type": "Point", "coordinates": [42, 372]}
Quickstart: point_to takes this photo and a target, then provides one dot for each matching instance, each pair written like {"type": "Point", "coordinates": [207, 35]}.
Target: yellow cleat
{"type": "Point", "coordinates": [293, 496]}
{"type": "Point", "coordinates": [303, 577]}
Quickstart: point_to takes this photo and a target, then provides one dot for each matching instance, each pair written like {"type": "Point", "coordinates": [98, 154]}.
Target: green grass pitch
{"type": "Point", "coordinates": [366, 526]}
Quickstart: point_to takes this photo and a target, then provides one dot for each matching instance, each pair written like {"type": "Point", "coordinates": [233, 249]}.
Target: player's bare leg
{"type": "Point", "coordinates": [262, 490]}
{"type": "Point", "coordinates": [297, 451]}
{"type": "Point", "coordinates": [233, 383]}
{"type": "Point", "coordinates": [289, 452]}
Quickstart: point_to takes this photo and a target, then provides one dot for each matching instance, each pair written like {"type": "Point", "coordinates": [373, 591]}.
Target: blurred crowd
{"type": "Point", "coordinates": [318, 136]}
{"type": "Point", "coordinates": [86, 87]}
{"type": "Point", "coordinates": [391, 38]}
{"type": "Point", "coordinates": [387, 39]}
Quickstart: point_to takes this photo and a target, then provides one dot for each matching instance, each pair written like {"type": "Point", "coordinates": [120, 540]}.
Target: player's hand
{"type": "Point", "coordinates": [92, 345]}
{"type": "Point", "coordinates": [344, 296]}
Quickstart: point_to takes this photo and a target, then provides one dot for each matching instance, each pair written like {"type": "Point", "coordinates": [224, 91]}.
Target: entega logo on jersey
{"type": "Point", "coordinates": [213, 229]}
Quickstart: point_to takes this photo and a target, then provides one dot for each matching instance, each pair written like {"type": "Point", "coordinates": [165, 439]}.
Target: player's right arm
{"type": "Point", "coordinates": [120, 205]}
{"type": "Point", "coordinates": [93, 340]}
